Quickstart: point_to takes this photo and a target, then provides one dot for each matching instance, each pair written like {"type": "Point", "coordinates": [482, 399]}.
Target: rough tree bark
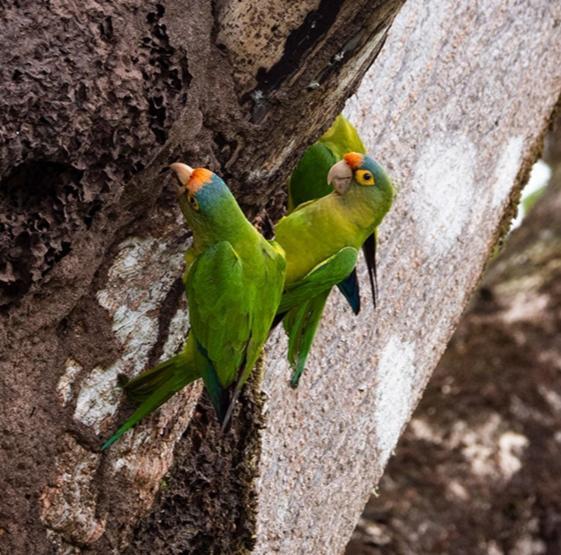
{"type": "Point", "coordinates": [477, 469]}
{"type": "Point", "coordinates": [96, 102]}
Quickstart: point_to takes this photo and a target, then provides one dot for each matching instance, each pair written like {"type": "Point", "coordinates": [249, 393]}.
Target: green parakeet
{"type": "Point", "coordinates": [321, 239]}
{"type": "Point", "coordinates": [233, 280]}
{"type": "Point", "coordinates": [309, 182]}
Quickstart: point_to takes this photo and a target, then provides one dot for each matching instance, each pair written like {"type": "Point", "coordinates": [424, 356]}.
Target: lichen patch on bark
{"type": "Point", "coordinates": [64, 388]}
{"type": "Point", "coordinates": [397, 382]}
{"type": "Point", "coordinates": [444, 191]}
{"type": "Point", "coordinates": [137, 283]}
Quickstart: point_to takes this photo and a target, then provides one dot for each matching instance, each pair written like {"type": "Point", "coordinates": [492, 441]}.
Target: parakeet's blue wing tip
{"type": "Point", "coordinates": [350, 289]}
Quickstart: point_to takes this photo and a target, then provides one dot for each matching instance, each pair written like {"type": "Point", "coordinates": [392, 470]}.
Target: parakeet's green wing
{"type": "Point", "coordinates": [219, 309]}
{"type": "Point", "coordinates": [268, 290]}
{"type": "Point", "coordinates": [309, 179]}
{"type": "Point", "coordinates": [303, 305]}
{"type": "Point", "coordinates": [324, 276]}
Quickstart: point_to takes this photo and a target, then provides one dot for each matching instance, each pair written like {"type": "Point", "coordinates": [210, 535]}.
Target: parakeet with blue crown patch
{"type": "Point", "coordinates": [233, 280]}
{"type": "Point", "coordinates": [309, 182]}
{"type": "Point", "coordinates": [321, 239]}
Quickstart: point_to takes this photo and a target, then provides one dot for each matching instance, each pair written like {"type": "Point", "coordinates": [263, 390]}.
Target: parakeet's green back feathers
{"type": "Point", "coordinates": [309, 179]}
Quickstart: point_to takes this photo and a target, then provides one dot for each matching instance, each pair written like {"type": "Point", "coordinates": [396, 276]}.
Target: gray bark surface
{"type": "Point", "coordinates": [443, 109]}
{"type": "Point", "coordinates": [477, 470]}
{"type": "Point", "coordinates": [101, 98]}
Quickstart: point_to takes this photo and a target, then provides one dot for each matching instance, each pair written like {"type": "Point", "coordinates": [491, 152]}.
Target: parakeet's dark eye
{"type": "Point", "coordinates": [193, 202]}
{"type": "Point", "coordinates": [365, 178]}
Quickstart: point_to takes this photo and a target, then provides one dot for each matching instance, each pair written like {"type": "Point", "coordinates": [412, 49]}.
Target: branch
{"type": "Point", "coordinates": [485, 433]}
{"type": "Point", "coordinates": [455, 107]}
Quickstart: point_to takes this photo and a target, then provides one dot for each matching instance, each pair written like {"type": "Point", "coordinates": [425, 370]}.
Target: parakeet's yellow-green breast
{"type": "Point", "coordinates": [233, 280]}
{"type": "Point", "coordinates": [321, 240]}
{"type": "Point", "coordinates": [309, 182]}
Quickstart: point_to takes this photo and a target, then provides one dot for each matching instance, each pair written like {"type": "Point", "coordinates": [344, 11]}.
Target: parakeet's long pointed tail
{"type": "Point", "coordinates": [301, 325]}
{"type": "Point", "coordinates": [154, 387]}
{"type": "Point", "coordinates": [369, 250]}
{"type": "Point", "coordinates": [159, 397]}
{"type": "Point", "coordinates": [139, 388]}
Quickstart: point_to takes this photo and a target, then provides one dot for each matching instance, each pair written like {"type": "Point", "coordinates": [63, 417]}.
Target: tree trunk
{"type": "Point", "coordinates": [100, 97]}
{"type": "Point", "coordinates": [477, 470]}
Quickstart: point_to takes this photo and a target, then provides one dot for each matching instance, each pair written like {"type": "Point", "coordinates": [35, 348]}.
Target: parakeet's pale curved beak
{"type": "Point", "coordinates": [182, 172]}
{"type": "Point", "coordinates": [339, 177]}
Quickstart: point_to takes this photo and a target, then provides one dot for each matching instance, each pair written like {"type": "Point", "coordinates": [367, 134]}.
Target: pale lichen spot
{"type": "Point", "coordinates": [137, 284]}
{"type": "Point", "coordinates": [443, 191]}
{"type": "Point", "coordinates": [178, 328]}
{"type": "Point", "coordinates": [64, 386]}
{"type": "Point", "coordinates": [396, 374]}
{"type": "Point", "coordinates": [98, 397]}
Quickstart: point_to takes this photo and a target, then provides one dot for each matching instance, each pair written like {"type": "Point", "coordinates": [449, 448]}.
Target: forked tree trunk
{"type": "Point", "coordinates": [100, 97]}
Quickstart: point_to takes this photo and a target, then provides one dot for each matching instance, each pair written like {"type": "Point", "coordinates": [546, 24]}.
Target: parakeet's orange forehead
{"type": "Point", "coordinates": [199, 178]}
{"type": "Point", "coordinates": [354, 159]}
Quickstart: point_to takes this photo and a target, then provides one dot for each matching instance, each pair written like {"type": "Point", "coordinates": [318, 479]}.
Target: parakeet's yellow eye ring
{"type": "Point", "coordinates": [193, 202]}
{"type": "Point", "coordinates": [364, 178]}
